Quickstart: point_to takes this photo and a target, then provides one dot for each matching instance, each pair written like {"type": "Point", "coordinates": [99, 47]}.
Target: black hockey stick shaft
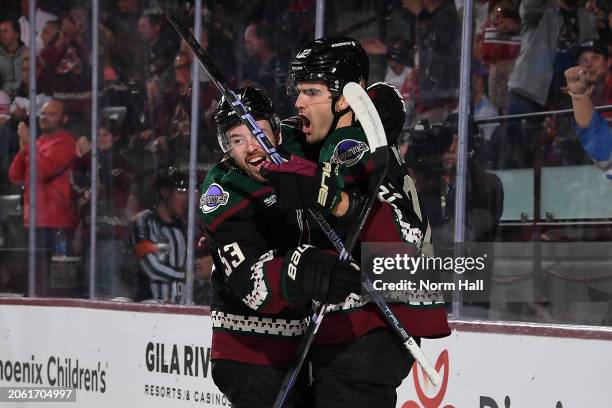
{"type": "Point", "coordinates": [245, 117]}
{"type": "Point", "coordinates": [302, 351]}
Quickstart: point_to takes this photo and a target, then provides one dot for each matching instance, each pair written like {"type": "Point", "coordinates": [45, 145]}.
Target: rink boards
{"type": "Point", "coordinates": [124, 355]}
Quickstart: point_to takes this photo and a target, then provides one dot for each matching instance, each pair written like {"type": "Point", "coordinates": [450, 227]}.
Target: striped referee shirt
{"type": "Point", "coordinates": [161, 250]}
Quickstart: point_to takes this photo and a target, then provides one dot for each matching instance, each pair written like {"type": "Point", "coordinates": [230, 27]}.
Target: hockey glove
{"type": "Point", "coordinates": [314, 274]}
{"type": "Point", "coordinates": [390, 107]}
{"type": "Point", "coordinates": [355, 206]}
{"type": "Point", "coordinates": [301, 184]}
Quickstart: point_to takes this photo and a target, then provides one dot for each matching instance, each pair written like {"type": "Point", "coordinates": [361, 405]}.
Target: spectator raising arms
{"type": "Point", "coordinates": [592, 129]}
{"type": "Point", "coordinates": [595, 61]}
{"type": "Point", "coordinates": [557, 27]}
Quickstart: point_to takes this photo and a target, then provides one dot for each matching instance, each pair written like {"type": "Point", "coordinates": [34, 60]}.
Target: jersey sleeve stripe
{"type": "Point", "coordinates": [243, 203]}
{"type": "Point", "coordinates": [160, 269]}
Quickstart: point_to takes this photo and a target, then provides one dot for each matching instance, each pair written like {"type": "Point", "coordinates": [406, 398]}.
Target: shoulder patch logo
{"type": "Point", "coordinates": [214, 197]}
{"type": "Point", "coordinates": [349, 152]}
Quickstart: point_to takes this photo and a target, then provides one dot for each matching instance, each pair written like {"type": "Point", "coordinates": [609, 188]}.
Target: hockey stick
{"type": "Point", "coordinates": [245, 117]}
{"type": "Point", "coordinates": [368, 117]}
{"type": "Point", "coordinates": [370, 121]}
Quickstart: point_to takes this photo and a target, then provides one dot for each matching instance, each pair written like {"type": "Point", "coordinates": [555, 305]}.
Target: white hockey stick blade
{"type": "Point", "coordinates": [366, 114]}
{"type": "Point", "coordinates": [368, 117]}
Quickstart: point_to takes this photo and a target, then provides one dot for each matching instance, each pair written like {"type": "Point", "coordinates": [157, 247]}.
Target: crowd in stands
{"type": "Point", "coordinates": [145, 69]}
{"type": "Point", "coordinates": [521, 49]}
{"type": "Point", "coordinates": [144, 130]}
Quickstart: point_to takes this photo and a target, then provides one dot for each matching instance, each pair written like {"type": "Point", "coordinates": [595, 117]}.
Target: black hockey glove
{"type": "Point", "coordinates": [314, 274]}
{"type": "Point", "coordinates": [356, 203]}
{"type": "Point", "coordinates": [301, 183]}
{"type": "Point", "coordinates": [390, 107]}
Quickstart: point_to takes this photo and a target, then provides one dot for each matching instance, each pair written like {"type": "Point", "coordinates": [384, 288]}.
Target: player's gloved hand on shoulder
{"type": "Point", "coordinates": [300, 183]}
{"type": "Point", "coordinates": [355, 203]}
{"type": "Point", "coordinates": [310, 273]}
{"type": "Point", "coordinates": [390, 107]}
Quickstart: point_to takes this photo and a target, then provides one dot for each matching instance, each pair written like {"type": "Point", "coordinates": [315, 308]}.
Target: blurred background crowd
{"type": "Point", "coordinates": [528, 177]}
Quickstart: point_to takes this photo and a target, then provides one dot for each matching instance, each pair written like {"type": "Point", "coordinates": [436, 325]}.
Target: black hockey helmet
{"type": "Point", "coordinates": [390, 107]}
{"type": "Point", "coordinates": [257, 103]}
{"type": "Point", "coordinates": [172, 179]}
{"type": "Point", "coordinates": [334, 60]}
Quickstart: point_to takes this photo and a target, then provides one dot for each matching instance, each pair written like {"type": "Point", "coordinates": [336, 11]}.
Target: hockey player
{"type": "Point", "coordinates": [159, 240]}
{"type": "Point", "coordinates": [357, 361]}
{"type": "Point", "coordinates": [255, 328]}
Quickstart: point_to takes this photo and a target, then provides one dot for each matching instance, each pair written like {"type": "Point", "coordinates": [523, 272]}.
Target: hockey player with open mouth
{"type": "Point", "coordinates": [256, 329]}
{"type": "Point", "coordinates": [310, 274]}
{"type": "Point", "coordinates": [356, 360]}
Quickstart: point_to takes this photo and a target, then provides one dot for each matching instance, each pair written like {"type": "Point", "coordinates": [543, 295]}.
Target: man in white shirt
{"type": "Point", "coordinates": [42, 17]}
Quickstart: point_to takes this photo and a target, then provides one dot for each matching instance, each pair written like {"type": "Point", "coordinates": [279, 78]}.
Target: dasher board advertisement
{"type": "Point", "coordinates": [160, 357]}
